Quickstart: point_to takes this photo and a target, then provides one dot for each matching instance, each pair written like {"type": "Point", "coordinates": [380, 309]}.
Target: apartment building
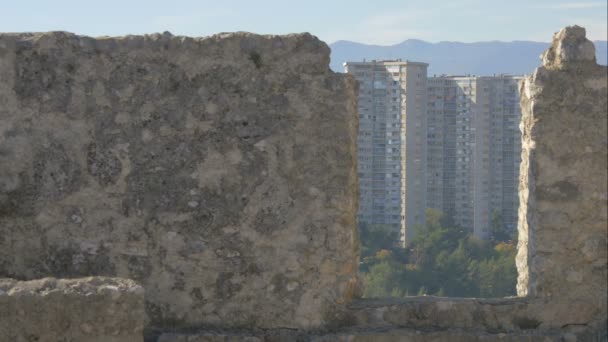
{"type": "Point", "coordinates": [392, 143]}
{"type": "Point", "coordinates": [474, 150]}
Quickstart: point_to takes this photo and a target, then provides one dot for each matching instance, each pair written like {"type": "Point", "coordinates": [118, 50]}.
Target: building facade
{"type": "Point", "coordinates": [392, 143]}
{"type": "Point", "coordinates": [474, 148]}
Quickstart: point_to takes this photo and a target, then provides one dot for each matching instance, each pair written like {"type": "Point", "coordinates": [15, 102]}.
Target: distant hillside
{"type": "Point", "coordinates": [484, 58]}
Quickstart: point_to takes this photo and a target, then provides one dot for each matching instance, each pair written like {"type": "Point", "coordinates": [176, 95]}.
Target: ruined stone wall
{"type": "Point", "coordinates": [86, 310]}
{"type": "Point", "coordinates": [218, 172]}
{"type": "Point", "coordinates": [562, 257]}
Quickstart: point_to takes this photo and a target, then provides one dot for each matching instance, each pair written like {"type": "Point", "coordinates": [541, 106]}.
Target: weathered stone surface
{"type": "Point", "coordinates": [209, 337]}
{"type": "Point", "coordinates": [562, 256]}
{"type": "Point", "coordinates": [410, 335]}
{"type": "Point", "coordinates": [495, 315]}
{"type": "Point", "coordinates": [274, 335]}
{"type": "Point", "coordinates": [387, 334]}
{"type": "Point", "coordinates": [218, 172]}
{"type": "Point", "coordinates": [570, 48]}
{"type": "Point", "coordinates": [88, 309]}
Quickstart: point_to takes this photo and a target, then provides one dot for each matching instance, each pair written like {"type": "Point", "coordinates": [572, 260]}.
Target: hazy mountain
{"type": "Point", "coordinates": [484, 58]}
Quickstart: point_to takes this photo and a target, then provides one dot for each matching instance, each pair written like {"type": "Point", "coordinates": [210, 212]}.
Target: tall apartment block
{"type": "Point", "coordinates": [474, 147]}
{"type": "Point", "coordinates": [392, 143]}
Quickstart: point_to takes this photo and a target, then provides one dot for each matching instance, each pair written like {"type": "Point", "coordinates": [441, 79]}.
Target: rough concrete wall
{"type": "Point", "coordinates": [562, 259]}
{"type": "Point", "coordinates": [92, 309]}
{"type": "Point", "coordinates": [218, 172]}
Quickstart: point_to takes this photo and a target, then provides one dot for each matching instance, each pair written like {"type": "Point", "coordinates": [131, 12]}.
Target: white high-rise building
{"type": "Point", "coordinates": [474, 148]}
{"type": "Point", "coordinates": [392, 143]}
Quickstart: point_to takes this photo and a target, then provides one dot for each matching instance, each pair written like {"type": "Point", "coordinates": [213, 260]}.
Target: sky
{"type": "Point", "coordinates": [381, 22]}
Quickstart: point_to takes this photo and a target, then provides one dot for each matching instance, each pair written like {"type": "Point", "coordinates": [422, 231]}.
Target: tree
{"type": "Point", "coordinates": [375, 237]}
{"type": "Point", "coordinates": [498, 231]}
{"type": "Point", "coordinates": [442, 259]}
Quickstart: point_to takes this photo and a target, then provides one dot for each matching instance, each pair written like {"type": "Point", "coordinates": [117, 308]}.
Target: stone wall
{"type": "Point", "coordinates": [218, 172]}
{"type": "Point", "coordinates": [562, 252]}
{"type": "Point", "coordinates": [85, 310]}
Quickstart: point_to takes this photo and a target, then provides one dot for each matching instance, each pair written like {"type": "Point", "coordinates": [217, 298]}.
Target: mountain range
{"type": "Point", "coordinates": [454, 58]}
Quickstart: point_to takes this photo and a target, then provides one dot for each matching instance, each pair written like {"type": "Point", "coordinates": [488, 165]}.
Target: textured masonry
{"type": "Point", "coordinates": [218, 172]}
{"type": "Point", "coordinates": [562, 259]}
{"type": "Point", "coordinates": [86, 310]}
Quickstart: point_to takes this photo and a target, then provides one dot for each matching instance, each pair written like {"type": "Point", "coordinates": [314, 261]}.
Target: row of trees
{"type": "Point", "coordinates": [442, 260]}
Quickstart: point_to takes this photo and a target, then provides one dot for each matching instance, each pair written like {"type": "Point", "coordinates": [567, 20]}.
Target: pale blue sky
{"type": "Point", "coordinates": [367, 21]}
